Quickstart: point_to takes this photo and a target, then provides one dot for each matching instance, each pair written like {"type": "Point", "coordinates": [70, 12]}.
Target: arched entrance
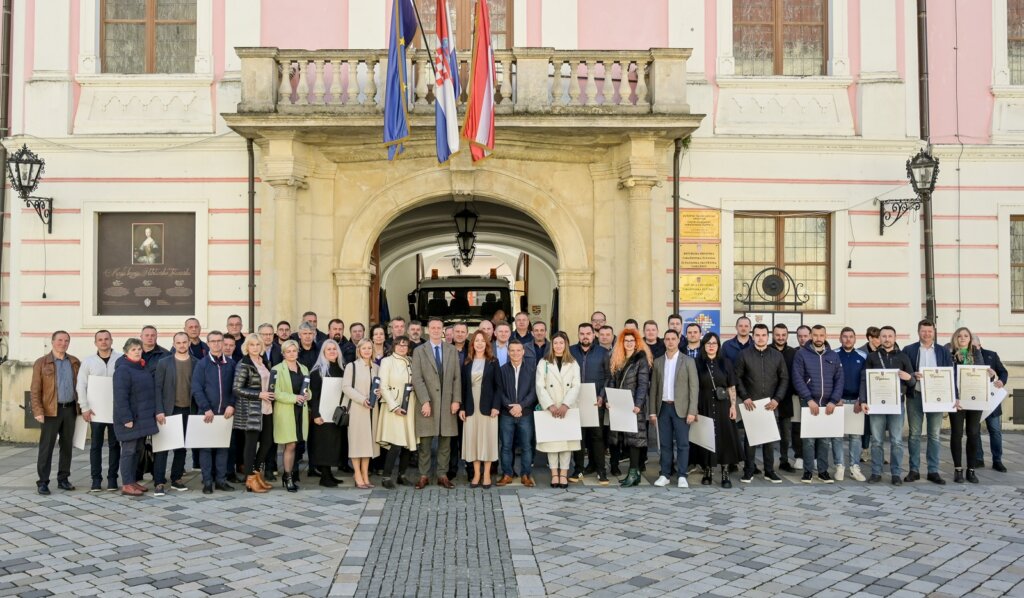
{"type": "Point", "coordinates": [564, 251]}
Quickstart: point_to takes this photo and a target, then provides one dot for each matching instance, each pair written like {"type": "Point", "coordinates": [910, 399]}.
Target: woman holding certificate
{"type": "Point", "coordinates": [558, 387]}
{"type": "Point", "coordinates": [964, 353]}
{"type": "Point", "coordinates": [254, 400]}
{"type": "Point", "coordinates": [355, 387]}
{"type": "Point", "coordinates": [481, 402]}
{"type": "Point", "coordinates": [396, 429]}
{"type": "Point", "coordinates": [291, 392]}
{"type": "Point", "coordinates": [717, 400]}
{"type": "Point", "coordinates": [324, 435]}
{"type": "Point", "coordinates": [630, 369]}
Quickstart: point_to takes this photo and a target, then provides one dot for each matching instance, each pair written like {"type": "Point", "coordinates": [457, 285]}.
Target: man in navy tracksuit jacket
{"type": "Point", "coordinates": [211, 389]}
{"type": "Point", "coordinates": [818, 380]}
{"type": "Point", "coordinates": [848, 455]}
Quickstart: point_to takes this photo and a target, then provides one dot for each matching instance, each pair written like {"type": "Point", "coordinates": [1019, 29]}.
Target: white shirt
{"type": "Point", "coordinates": [669, 391]}
{"type": "Point", "coordinates": [926, 357]}
{"type": "Point", "coordinates": [515, 370]}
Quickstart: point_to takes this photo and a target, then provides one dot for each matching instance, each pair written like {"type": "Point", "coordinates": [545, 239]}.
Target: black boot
{"type": "Point", "coordinates": [632, 478]}
{"type": "Point", "coordinates": [958, 476]}
{"type": "Point", "coordinates": [328, 481]}
{"type": "Point", "coordinates": [289, 482]}
{"type": "Point", "coordinates": [707, 480]}
{"type": "Point", "coordinates": [972, 477]}
{"type": "Point", "coordinates": [726, 483]}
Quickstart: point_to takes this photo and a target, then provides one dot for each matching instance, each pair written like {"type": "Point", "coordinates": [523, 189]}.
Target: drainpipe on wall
{"type": "Point", "coordinates": [252, 234]}
{"type": "Point", "coordinates": [923, 110]}
{"type": "Point", "coordinates": [675, 225]}
{"type": "Point", "coordinates": [5, 105]}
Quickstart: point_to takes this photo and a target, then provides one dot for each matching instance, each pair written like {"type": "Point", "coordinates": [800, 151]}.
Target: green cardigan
{"type": "Point", "coordinates": [284, 403]}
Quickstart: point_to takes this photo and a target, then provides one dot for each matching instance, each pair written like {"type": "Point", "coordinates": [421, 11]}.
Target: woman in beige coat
{"type": "Point", "coordinates": [558, 388]}
{"type": "Point", "coordinates": [355, 387]}
{"type": "Point", "coordinates": [396, 429]}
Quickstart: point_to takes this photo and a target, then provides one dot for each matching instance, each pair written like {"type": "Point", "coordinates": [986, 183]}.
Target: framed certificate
{"type": "Point", "coordinates": [972, 381]}
{"type": "Point", "coordinates": [937, 392]}
{"type": "Point", "coordinates": [883, 392]}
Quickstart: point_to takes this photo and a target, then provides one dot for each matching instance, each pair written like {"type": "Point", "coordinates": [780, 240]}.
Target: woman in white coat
{"type": "Point", "coordinates": [558, 388]}
{"type": "Point", "coordinates": [396, 430]}
{"type": "Point", "coordinates": [355, 387]}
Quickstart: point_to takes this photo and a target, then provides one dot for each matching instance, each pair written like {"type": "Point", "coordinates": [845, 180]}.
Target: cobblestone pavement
{"type": "Point", "coordinates": [753, 540]}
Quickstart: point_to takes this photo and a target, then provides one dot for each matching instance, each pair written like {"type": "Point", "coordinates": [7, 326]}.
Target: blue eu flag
{"type": "Point", "coordinates": [396, 108]}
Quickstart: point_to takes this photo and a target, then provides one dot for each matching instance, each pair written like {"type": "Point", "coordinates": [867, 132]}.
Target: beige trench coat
{"type": "Point", "coordinates": [395, 429]}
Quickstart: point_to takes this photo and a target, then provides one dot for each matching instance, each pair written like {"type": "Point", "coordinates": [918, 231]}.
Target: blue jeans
{"type": "Point", "coordinates": [178, 463]}
{"type": "Point", "coordinates": [96, 454]}
{"type": "Point", "coordinates": [838, 449]}
{"type": "Point", "coordinates": [671, 428]}
{"type": "Point", "coordinates": [915, 418]}
{"type": "Point", "coordinates": [815, 448]}
{"type": "Point", "coordinates": [879, 424]}
{"type": "Point", "coordinates": [214, 463]}
{"type": "Point", "coordinates": [994, 423]}
{"type": "Point", "coordinates": [516, 431]}
{"type": "Point", "coordinates": [853, 446]}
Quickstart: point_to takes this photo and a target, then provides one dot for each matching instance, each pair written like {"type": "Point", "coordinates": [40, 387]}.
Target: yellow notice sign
{"type": "Point", "coordinates": [700, 288]}
{"type": "Point", "coordinates": [699, 224]}
{"type": "Point", "coordinates": [699, 256]}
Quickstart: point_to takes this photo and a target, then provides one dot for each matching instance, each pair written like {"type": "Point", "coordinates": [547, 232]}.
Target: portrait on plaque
{"type": "Point", "coordinates": [145, 263]}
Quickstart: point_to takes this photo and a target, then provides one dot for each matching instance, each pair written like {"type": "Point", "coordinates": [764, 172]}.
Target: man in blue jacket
{"type": "Point", "coordinates": [211, 389]}
{"type": "Point", "coordinates": [848, 453]}
{"type": "Point", "coordinates": [994, 422]}
{"type": "Point", "coordinates": [732, 347]}
{"type": "Point", "coordinates": [924, 354]}
{"type": "Point", "coordinates": [818, 380]}
{"type": "Point", "coordinates": [515, 422]}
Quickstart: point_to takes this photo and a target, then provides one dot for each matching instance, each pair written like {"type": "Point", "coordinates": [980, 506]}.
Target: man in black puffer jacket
{"type": "Point", "coordinates": [761, 373]}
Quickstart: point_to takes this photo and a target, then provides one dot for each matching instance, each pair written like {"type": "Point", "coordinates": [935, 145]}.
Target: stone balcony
{"type": "Point", "coordinates": [602, 91]}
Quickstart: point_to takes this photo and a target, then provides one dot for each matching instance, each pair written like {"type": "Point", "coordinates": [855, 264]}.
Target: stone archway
{"type": "Point", "coordinates": [372, 216]}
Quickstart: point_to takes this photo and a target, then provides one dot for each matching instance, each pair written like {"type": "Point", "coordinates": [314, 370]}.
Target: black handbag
{"type": "Point", "coordinates": [720, 393]}
{"type": "Point", "coordinates": [340, 417]}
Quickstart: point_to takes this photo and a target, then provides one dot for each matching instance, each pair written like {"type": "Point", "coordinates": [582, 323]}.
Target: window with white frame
{"type": "Point", "coordinates": [780, 37]}
{"type": "Point", "coordinates": [1015, 40]}
{"type": "Point", "coordinates": [148, 36]}
{"type": "Point", "coordinates": [1017, 264]}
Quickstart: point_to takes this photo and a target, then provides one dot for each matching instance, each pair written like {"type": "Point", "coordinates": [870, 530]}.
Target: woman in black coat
{"type": "Point", "coordinates": [717, 400]}
{"type": "Point", "coordinates": [134, 412]}
{"type": "Point", "coordinates": [324, 436]}
{"type": "Point", "coordinates": [481, 401]}
{"type": "Point", "coordinates": [630, 369]}
{"type": "Point", "coordinates": [254, 412]}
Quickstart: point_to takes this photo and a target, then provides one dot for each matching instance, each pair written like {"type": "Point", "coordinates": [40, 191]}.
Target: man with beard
{"type": "Point", "coordinates": [593, 361]}
{"type": "Point", "coordinates": [887, 357]}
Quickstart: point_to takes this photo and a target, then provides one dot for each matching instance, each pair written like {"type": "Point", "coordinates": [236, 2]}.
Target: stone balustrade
{"type": "Point", "coordinates": [529, 81]}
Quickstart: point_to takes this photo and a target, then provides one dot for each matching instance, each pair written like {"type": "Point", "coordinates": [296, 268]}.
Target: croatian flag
{"type": "Point", "coordinates": [479, 127]}
{"type": "Point", "coordinates": [446, 66]}
{"type": "Point", "coordinates": [396, 107]}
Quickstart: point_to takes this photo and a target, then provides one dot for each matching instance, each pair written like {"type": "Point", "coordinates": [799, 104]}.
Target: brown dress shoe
{"type": "Point", "coordinates": [423, 483]}
{"type": "Point", "coordinates": [527, 481]}
{"type": "Point", "coordinates": [130, 490]}
{"type": "Point", "coordinates": [444, 482]}
{"type": "Point", "coordinates": [504, 481]}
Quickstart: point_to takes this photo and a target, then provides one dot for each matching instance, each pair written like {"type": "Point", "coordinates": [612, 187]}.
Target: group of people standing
{"type": "Point", "coordinates": [452, 398]}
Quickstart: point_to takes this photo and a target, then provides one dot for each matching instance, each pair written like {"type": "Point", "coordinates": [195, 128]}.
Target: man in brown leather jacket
{"type": "Point", "coordinates": [55, 406]}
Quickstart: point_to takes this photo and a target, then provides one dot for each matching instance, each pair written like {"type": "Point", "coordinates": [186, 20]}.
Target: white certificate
{"type": "Point", "coordinates": [172, 434]}
{"type": "Point", "coordinates": [995, 399]}
{"type": "Point", "coordinates": [822, 425]}
{"type": "Point", "coordinates": [549, 428]}
{"type": "Point", "coordinates": [853, 423]}
{"type": "Point", "coordinates": [330, 398]}
{"type": "Point", "coordinates": [101, 399]}
{"type": "Point", "coordinates": [883, 392]}
{"type": "Point", "coordinates": [588, 406]}
{"type": "Point", "coordinates": [81, 427]}
{"type": "Point", "coordinates": [796, 410]}
{"type": "Point", "coordinates": [702, 432]}
{"type": "Point", "coordinates": [973, 382]}
{"type": "Point", "coordinates": [937, 393]}
{"type": "Point", "coordinates": [760, 423]}
{"type": "Point", "coordinates": [620, 410]}
{"type": "Point", "coordinates": [216, 434]}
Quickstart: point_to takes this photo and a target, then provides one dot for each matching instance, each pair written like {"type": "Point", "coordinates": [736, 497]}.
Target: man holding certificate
{"type": "Point", "coordinates": [818, 379]}
{"type": "Point", "coordinates": [674, 392]}
{"type": "Point", "coordinates": [924, 354]}
{"type": "Point", "coordinates": [885, 391]}
{"type": "Point", "coordinates": [761, 373]}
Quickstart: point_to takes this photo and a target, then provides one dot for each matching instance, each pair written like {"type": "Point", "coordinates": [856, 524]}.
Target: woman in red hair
{"type": "Point", "coordinates": [630, 369]}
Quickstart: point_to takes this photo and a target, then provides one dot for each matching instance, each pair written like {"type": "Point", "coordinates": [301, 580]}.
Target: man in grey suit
{"type": "Point", "coordinates": [437, 381]}
{"type": "Point", "coordinates": [673, 403]}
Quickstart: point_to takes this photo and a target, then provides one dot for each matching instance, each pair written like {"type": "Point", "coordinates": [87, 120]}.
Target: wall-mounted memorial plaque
{"type": "Point", "coordinates": [146, 263]}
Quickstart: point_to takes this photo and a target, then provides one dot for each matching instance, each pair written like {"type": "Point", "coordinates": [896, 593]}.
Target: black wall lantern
{"type": "Point", "coordinates": [465, 224]}
{"type": "Point", "coordinates": [25, 169]}
{"type": "Point", "coordinates": [923, 171]}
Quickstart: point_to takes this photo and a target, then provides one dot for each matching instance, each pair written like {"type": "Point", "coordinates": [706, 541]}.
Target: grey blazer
{"type": "Point", "coordinates": [166, 382]}
{"type": "Point", "coordinates": [686, 388]}
{"type": "Point", "coordinates": [439, 390]}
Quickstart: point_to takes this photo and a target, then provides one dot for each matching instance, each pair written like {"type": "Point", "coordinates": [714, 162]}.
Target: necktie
{"type": "Point", "coordinates": [437, 358]}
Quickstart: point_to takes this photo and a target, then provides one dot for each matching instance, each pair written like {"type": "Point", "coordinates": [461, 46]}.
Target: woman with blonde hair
{"type": "Point", "coordinates": [558, 388]}
{"type": "Point", "coordinates": [481, 401]}
{"type": "Point", "coordinates": [355, 386]}
{"type": "Point", "coordinates": [396, 429]}
{"type": "Point", "coordinates": [630, 369]}
{"type": "Point", "coordinates": [291, 420]}
{"type": "Point", "coordinates": [964, 353]}
{"type": "Point", "coordinates": [254, 408]}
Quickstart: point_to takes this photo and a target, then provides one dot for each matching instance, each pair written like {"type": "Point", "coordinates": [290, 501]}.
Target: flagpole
{"type": "Point", "coordinates": [430, 54]}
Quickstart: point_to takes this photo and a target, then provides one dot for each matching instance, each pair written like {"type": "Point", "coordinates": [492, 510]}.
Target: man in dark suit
{"type": "Point", "coordinates": [673, 404]}
{"type": "Point", "coordinates": [437, 380]}
{"type": "Point", "coordinates": [593, 361]}
{"type": "Point", "coordinates": [994, 422]}
{"type": "Point", "coordinates": [515, 423]}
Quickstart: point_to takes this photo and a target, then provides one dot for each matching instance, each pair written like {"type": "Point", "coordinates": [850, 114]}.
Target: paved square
{"type": "Point", "coordinates": [753, 540]}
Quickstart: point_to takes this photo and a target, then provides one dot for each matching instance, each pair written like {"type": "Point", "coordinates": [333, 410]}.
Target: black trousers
{"type": "Point", "coordinates": [264, 438]}
{"type": "Point", "coordinates": [957, 419]}
{"type": "Point", "coordinates": [62, 427]}
{"type": "Point", "coordinates": [397, 455]}
{"type": "Point", "coordinates": [453, 462]}
{"type": "Point", "coordinates": [593, 444]}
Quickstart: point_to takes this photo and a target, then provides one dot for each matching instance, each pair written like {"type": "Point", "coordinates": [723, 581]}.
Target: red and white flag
{"type": "Point", "coordinates": [479, 126]}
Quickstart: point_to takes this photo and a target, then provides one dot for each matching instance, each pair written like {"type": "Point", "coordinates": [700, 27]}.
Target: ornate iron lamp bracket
{"type": "Point", "coordinates": [891, 210]}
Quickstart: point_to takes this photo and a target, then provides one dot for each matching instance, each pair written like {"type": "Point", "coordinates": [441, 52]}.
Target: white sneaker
{"type": "Point", "coordinates": [661, 482]}
{"type": "Point", "coordinates": [683, 483]}
{"type": "Point", "coordinates": [798, 464]}
{"type": "Point", "coordinates": [856, 474]}
{"type": "Point", "coordinates": [840, 473]}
